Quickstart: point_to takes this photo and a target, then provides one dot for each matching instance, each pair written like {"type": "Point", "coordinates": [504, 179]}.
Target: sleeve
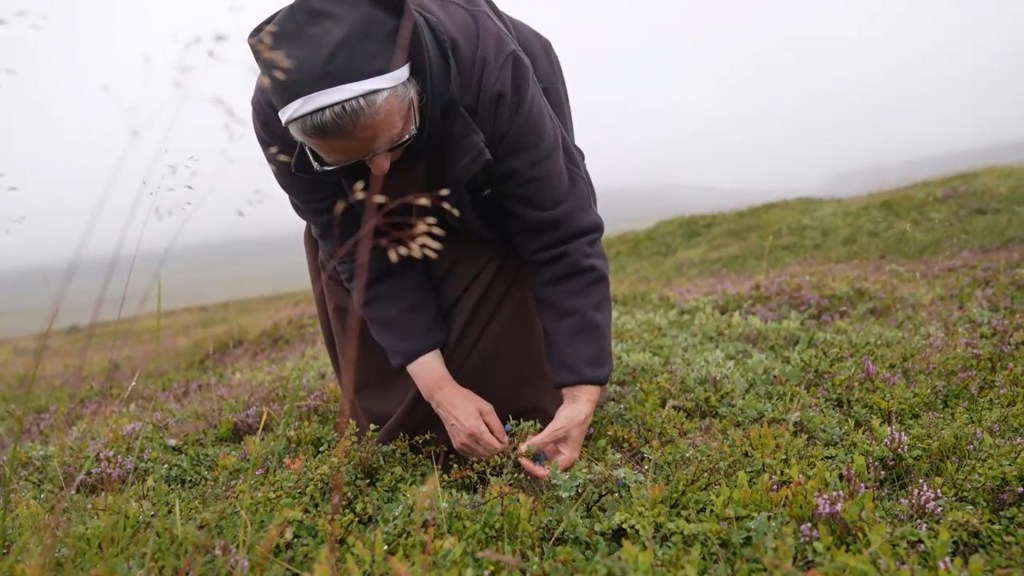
{"type": "Point", "coordinates": [539, 178]}
{"type": "Point", "coordinates": [400, 306]}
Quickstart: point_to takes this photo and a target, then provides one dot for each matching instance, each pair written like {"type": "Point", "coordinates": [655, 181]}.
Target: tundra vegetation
{"type": "Point", "coordinates": [808, 386]}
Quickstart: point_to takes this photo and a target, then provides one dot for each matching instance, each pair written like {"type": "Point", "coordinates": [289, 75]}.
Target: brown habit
{"type": "Point", "coordinates": [519, 300]}
{"type": "Point", "coordinates": [495, 346]}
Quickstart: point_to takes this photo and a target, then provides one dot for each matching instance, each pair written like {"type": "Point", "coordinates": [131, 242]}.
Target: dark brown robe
{"type": "Point", "coordinates": [519, 299]}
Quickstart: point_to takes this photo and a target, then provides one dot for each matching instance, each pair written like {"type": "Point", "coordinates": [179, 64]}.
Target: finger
{"type": "Point", "coordinates": [534, 469]}
{"type": "Point", "coordinates": [478, 450]}
{"type": "Point", "coordinates": [538, 441]}
{"type": "Point", "coordinates": [495, 427]}
{"type": "Point", "coordinates": [485, 441]}
{"type": "Point", "coordinates": [468, 448]}
{"type": "Point", "coordinates": [566, 459]}
{"type": "Point", "coordinates": [472, 441]}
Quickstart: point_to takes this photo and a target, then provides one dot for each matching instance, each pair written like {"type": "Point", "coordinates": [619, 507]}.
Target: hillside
{"type": "Point", "coordinates": [810, 386]}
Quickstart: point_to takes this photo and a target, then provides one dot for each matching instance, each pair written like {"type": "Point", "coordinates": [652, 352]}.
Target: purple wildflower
{"type": "Point", "coordinates": [248, 421]}
{"type": "Point", "coordinates": [945, 564]}
{"type": "Point", "coordinates": [829, 505]}
{"type": "Point", "coordinates": [854, 486]}
{"type": "Point", "coordinates": [869, 369]}
{"type": "Point", "coordinates": [130, 430]}
{"type": "Point", "coordinates": [110, 470]}
{"type": "Point", "coordinates": [808, 533]}
{"type": "Point", "coordinates": [236, 562]}
{"type": "Point", "coordinates": [923, 500]}
{"type": "Point", "coordinates": [896, 441]}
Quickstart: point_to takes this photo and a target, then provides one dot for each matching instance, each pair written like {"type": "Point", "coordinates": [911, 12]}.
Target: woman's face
{"type": "Point", "coordinates": [378, 141]}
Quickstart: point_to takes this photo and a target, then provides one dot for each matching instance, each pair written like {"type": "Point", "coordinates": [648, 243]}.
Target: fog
{"type": "Point", "coordinates": [134, 116]}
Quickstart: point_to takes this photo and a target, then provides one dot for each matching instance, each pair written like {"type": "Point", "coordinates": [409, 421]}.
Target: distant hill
{"type": "Point", "coordinates": [899, 174]}
{"type": "Point", "coordinates": [219, 272]}
{"type": "Point", "coordinates": [969, 211]}
{"type": "Point", "coordinates": [641, 206]}
{"type": "Point", "coordinates": [230, 270]}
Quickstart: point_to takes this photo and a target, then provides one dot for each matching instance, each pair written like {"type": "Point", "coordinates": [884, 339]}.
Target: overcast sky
{"type": "Point", "coordinates": [101, 95]}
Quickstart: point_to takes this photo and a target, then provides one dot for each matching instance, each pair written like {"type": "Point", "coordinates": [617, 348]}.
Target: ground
{"type": "Point", "coordinates": [814, 386]}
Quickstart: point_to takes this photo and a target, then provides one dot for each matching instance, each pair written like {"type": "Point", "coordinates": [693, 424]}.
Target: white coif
{"type": "Point", "coordinates": [331, 96]}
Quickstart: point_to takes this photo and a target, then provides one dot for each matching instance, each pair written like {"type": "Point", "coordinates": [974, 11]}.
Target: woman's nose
{"type": "Point", "coordinates": [380, 164]}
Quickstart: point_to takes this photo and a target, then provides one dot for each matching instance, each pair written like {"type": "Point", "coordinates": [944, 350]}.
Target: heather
{"type": "Point", "coordinates": [827, 386]}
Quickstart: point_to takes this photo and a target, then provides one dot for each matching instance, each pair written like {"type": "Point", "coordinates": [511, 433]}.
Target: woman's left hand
{"type": "Point", "coordinates": [562, 440]}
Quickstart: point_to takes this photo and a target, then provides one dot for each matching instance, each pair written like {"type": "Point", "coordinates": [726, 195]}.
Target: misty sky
{"type": "Point", "coordinates": [100, 96]}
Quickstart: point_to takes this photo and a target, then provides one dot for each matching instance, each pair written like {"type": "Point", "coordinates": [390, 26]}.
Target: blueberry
{"type": "Point", "coordinates": [508, 427]}
{"type": "Point", "coordinates": [540, 458]}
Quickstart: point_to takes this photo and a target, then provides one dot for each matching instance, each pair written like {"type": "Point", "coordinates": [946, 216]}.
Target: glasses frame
{"type": "Point", "coordinates": [404, 141]}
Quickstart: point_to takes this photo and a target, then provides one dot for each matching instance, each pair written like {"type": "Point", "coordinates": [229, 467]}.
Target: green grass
{"type": "Point", "coordinates": [810, 385]}
{"type": "Point", "coordinates": [971, 211]}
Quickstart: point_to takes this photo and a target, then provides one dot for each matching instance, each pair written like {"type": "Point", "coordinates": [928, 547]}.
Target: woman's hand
{"type": "Point", "coordinates": [562, 440]}
{"type": "Point", "coordinates": [471, 421]}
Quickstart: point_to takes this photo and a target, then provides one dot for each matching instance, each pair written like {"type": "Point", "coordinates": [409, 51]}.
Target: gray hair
{"type": "Point", "coordinates": [343, 118]}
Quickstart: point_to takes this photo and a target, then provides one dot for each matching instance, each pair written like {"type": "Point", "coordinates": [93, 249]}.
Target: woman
{"type": "Point", "coordinates": [486, 299]}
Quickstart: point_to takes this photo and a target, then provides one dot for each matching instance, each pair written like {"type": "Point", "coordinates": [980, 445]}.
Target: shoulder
{"type": "Point", "coordinates": [485, 54]}
{"type": "Point", "coordinates": [478, 34]}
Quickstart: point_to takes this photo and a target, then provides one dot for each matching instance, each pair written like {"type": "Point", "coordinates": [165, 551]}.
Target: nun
{"type": "Point", "coordinates": [451, 228]}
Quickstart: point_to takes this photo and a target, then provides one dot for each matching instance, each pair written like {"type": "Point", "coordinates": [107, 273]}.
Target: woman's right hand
{"type": "Point", "coordinates": [471, 421]}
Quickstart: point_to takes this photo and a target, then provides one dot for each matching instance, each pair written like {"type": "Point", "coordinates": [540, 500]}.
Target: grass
{"type": "Point", "coordinates": [827, 386]}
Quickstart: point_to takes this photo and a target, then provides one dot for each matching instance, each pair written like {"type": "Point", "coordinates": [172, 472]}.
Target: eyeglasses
{"type": "Point", "coordinates": [321, 166]}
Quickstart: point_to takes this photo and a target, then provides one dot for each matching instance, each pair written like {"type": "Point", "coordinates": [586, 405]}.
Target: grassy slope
{"type": "Point", "coordinates": [861, 352]}
{"type": "Point", "coordinates": [971, 211]}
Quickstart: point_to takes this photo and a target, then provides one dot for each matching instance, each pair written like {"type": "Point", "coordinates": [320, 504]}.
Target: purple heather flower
{"type": "Point", "coordinates": [110, 470]}
{"type": "Point", "coordinates": [808, 532]}
{"type": "Point", "coordinates": [896, 441]}
{"type": "Point", "coordinates": [945, 564]}
{"type": "Point", "coordinates": [850, 477]}
{"type": "Point", "coordinates": [966, 375]}
{"type": "Point", "coordinates": [829, 505]}
{"type": "Point", "coordinates": [923, 500]}
{"type": "Point", "coordinates": [869, 369]}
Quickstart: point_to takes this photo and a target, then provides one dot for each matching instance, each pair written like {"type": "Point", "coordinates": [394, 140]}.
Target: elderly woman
{"type": "Point", "coordinates": [452, 235]}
